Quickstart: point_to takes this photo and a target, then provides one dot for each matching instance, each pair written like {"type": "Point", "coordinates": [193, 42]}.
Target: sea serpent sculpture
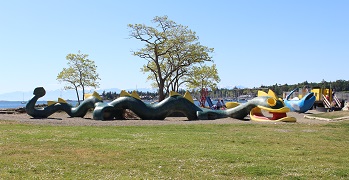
{"type": "Point", "coordinates": [79, 111]}
{"type": "Point", "coordinates": [159, 111]}
{"type": "Point", "coordinates": [185, 105]}
{"type": "Point", "coordinates": [146, 111]}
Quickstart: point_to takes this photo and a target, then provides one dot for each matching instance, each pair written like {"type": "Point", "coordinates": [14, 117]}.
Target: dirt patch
{"type": "Point", "coordinates": [62, 119]}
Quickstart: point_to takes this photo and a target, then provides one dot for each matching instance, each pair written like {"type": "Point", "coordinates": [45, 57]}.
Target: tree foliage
{"type": "Point", "coordinates": [81, 73]}
{"type": "Point", "coordinates": [170, 50]}
{"type": "Point", "coordinates": [338, 85]}
{"type": "Point", "coordinates": [203, 77]}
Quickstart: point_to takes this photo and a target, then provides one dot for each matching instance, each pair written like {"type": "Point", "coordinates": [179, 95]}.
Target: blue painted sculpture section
{"type": "Point", "coordinates": [175, 103]}
{"type": "Point", "coordinates": [300, 105]}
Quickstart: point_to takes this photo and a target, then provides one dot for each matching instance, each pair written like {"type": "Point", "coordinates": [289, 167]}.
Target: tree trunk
{"type": "Point", "coordinates": [83, 93]}
{"type": "Point", "coordinates": [161, 92]}
{"type": "Point", "coordinates": [77, 95]}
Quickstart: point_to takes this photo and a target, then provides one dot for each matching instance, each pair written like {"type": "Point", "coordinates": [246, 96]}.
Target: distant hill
{"type": "Point", "coordinates": [50, 95]}
{"type": "Point", "coordinates": [232, 87]}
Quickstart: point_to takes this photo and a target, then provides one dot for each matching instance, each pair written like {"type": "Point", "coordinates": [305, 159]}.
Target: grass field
{"type": "Point", "coordinates": [234, 151]}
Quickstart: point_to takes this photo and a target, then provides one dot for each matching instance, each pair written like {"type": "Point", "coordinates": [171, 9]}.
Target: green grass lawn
{"type": "Point", "coordinates": [234, 151]}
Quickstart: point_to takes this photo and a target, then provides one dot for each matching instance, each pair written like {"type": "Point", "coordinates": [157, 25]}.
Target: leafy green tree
{"type": "Point", "coordinates": [81, 73]}
{"type": "Point", "coordinates": [170, 49]}
{"type": "Point", "coordinates": [203, 77]}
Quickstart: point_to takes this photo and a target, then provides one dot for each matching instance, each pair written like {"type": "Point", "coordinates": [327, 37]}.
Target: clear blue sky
{"type": "Point", "coordinates": [256, 42]}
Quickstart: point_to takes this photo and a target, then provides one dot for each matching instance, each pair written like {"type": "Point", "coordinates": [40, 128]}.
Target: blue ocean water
{"type": "Point", "coordinates": [11, 104]}
{"type": "Point", "coordinates": [21, 104]}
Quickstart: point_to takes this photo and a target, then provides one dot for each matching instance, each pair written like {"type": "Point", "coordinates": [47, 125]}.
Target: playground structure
{"type": "Point", "coordinates": [302, 104]}
{"type": "Point", "coordinates": [203, 97]}
{"type": "Point", "coordinates": [324, 97]}
{"type": "Point", "coordinates": [175, 103]}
